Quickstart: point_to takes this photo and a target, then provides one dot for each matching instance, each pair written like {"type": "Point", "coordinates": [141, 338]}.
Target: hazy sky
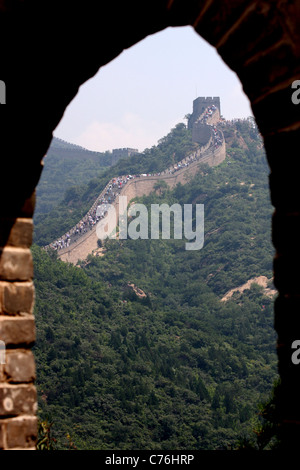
{"type": "Point", "coordinates": [142, 94]}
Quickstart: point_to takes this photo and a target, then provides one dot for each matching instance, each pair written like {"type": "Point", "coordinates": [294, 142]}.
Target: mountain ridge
{"type": "Point", "coordinates": [176, 368]}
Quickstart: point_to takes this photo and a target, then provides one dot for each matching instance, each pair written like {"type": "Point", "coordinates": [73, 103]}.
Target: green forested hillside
{"type": "Point", "coordinates": [65, 166]}
{"type": "Point", "coordinates": [175, 368]}
{"type": "Point", "coordinates": [69, 203]}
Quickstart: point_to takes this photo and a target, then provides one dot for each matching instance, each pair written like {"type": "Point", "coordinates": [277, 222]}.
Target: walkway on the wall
{"type": "Point", "coordinates": [81, 240]}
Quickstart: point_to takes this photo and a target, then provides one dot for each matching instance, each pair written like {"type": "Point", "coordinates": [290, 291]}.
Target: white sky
{"type": "Point", "coordinates": [143, 93]}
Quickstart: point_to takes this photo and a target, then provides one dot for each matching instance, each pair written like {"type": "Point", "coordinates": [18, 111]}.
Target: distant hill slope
{"type": "Point", "coordinates": [176, 368]}
{"type": "Point", "coordinates": [69, 186]}
{"type": "Point", "coordinates": [68, 149]}
{"type": "Point", "coordinates": [211, 151]}
{"type": "Point", "coordinates": [66, 165]}
{"type": "Point", "coordinates": [63, 144]}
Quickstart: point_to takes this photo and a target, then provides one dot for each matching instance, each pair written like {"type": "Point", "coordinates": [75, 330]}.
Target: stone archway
{"type": "Point", "coordinates": [44, 60]}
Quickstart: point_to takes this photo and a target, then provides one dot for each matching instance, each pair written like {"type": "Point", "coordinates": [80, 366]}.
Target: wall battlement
{"type": "Point", "coordinates": [199, 106]}
{"type": "Point", "coordinates": [137, 188]}
{"type": "Point", "coordinates": [40, 104]}
{"type": "Point", "coordinates": [117, 154]}
{"type": "Point", "coordinates": [206, 153]}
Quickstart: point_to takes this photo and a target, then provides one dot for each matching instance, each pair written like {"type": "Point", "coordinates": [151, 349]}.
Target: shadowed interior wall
{"type": "Point", "coordinates": [48, 49]}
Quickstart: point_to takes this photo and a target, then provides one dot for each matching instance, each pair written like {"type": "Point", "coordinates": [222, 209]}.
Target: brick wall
{"type": "Point", "coordinates": [18, 400]}
{"type": "Point", "coordinates": [258, 39]}
{"type": "Point", "coordinates": [139, 187]}
{"type": "Point", "coordinates": [199, 106]}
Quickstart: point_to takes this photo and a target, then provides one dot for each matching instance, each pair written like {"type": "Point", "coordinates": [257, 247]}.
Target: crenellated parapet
{"type": "Point", "coordinates": [81, 240]}
{"type": "Point", "coordinates": [200, 106]}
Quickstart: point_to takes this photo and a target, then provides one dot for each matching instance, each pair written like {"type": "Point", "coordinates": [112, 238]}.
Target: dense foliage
{"type": "Point", "coordinates": [175, 368]}
{"type": "Point", "coordinates": [77, 199]}
{"type": "Point", "coordinates": [66, 166]}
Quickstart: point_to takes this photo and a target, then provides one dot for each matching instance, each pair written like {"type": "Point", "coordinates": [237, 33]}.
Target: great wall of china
{"type": "Point", "coordinates": [212, 153]}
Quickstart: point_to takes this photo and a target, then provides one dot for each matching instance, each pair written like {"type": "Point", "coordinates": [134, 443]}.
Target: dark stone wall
{"type": "Point", "coordinates": [201, 134]}
{"type": "Point", "coordinates": [49, 49]}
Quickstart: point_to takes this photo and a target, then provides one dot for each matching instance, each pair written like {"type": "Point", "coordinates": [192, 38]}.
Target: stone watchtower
{"type": "Point", "coordinates": [199, 105]}
{"type": "Point", "coordinates": [117, 154]}
{"type": "Point", "coordinates": [201, 133]}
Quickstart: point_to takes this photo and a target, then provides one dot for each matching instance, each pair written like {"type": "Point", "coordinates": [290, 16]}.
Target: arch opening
{"type": "Point", "coordinates": [129, 143]}
{"type": "Point", "coordinates": [272, 56]}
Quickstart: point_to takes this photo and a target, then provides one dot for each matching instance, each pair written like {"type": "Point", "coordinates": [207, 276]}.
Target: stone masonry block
{"type": "Point", "coordinates": [18, 433]}
{"type": "Point", "coordinates": [219, 17]}
{"type": "Point", "coordinates": [17, 400]}
{"type": "Point", "coordinates": [286, 273]}
{"type": "Point", "coordinates": [16, 264]}
{"type": "Point", "coordinates": [19, 367]}
{"type": "Point", "coordinates": [286, 317]}
{"type": "Point", "coordinates": [289, 373]}
{"type": "Point", "coordinates": [28, 207]}
{"type": "Point", "coordinates": [237, 49]}
{"type": "Point", "coordinates": [286, 232]}
{"type": "Point", "coordinates": [281, 147]}
{"type": "Point", "coordinates": [17, 207]}
{"type": "Point", "coordinates": [267, 71]}
{"type": "Point", "coordinates": [16, 232]}
{"type": "Point", "coordinates": [277, 111]}
{"type": "Point", "coordinates": [17, 297]}
{"type": "Point", "coordinates": [2, 435]}
{"type": "Point", "coordinates": [21, 432]}
{"type": "Point", "coordinates": [284, 188]}
{"type": "Point", "coordinates": [17, 330]}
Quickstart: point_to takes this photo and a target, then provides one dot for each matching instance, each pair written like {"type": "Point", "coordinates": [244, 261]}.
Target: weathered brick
{"type": "Point", "coordinates": [289, 373]}
{"type": "Point", "coordinates": [18, 433]}
{"type": "Point", "coordinates": [19, 207]}
{"type": "Point", "coordinates": [17, 330]}
{"type": "Point", "coordinates": [286, 232]}
{"type": "Point", "coordinates": [16, 232]}
{"type": "Point", "coordinates": [282, 145]}
{"type": "Point", "coordinates": [21, 432]}
{"type": "Point", "coordinates": [287, 318]}
{"type": "Point", "coordinates": [285, 190]}
{"type": "Point", "coordinates": [266, 72]}
{"type": "Point", "coordinates": [267, 33]}
{"type": "Point", "coordinates": [219, 17]}
{"type": "Point", "coordinates": [286, 273]}
{"type": "Point", "coordinates": [16, 264]}
{"type": "Point", "coordinates": [16, 400]}
{"type": "Point", "coordinates": [184, 13]}
{"type": "Point", "coordinates": [276, 111]}
{"type": "Point", "coordinates": [28, 206]}
{"type": "Point", "coordinates": [19, 366]}
{"type": "Point", "coordinates": [2, 435]}
{"type": "Point", "coordinates": [16, 297]}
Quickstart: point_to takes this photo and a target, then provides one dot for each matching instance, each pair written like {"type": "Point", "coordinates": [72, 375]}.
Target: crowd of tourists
{"type": "Point", "coordinates": [112, 190]}
{"type": "Point", "coordinates": [217, 137]}
{"type": "Point", "coordinates": [96, 213]}
{"type": "Point", "coordinates": [207, 114]}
